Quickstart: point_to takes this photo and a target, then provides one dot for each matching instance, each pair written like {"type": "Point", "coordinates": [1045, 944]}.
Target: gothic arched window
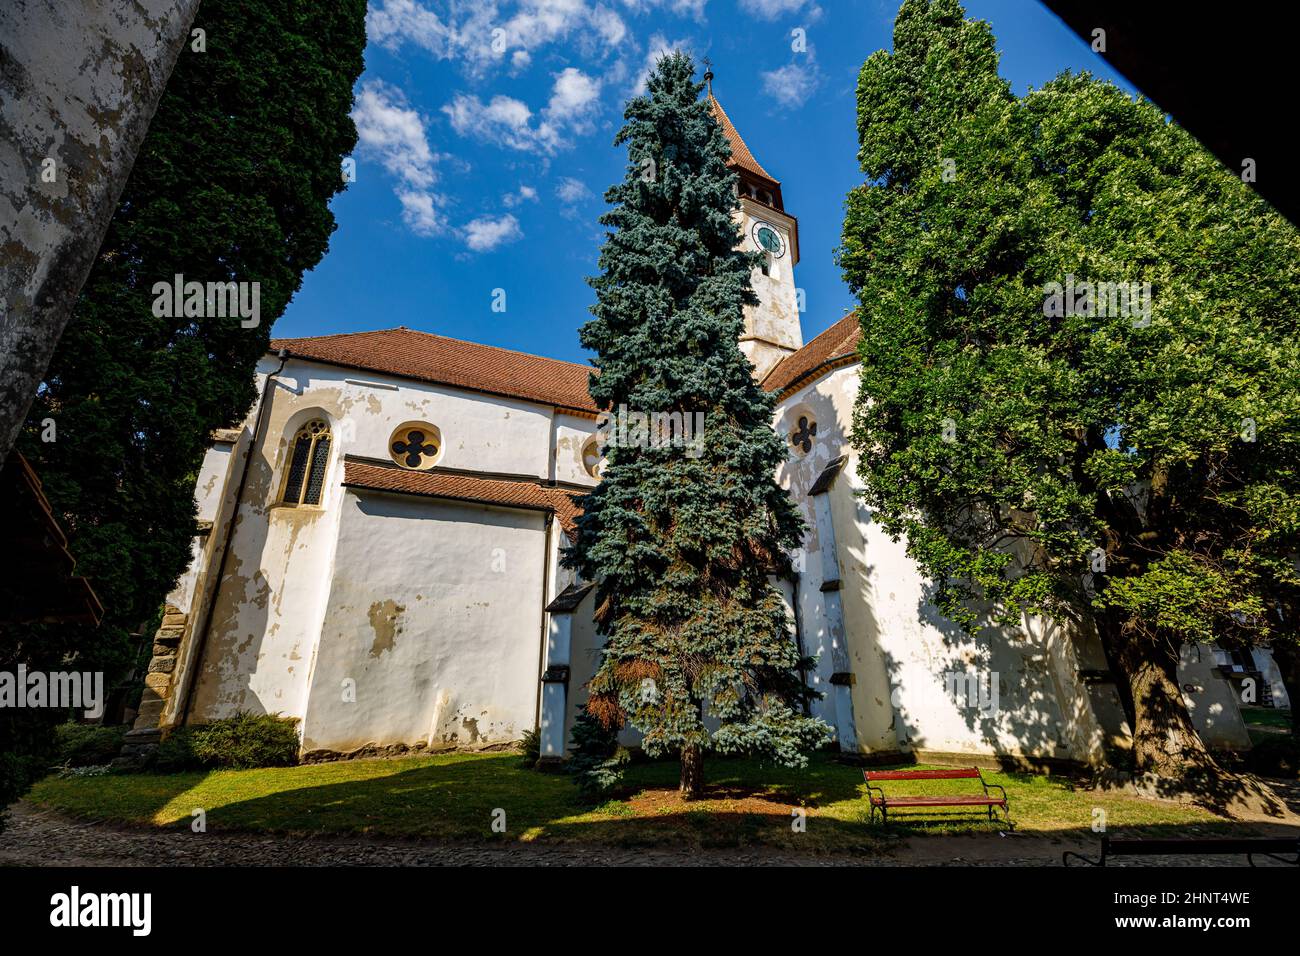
{"type": "Point", "coordinates": [305, 479]}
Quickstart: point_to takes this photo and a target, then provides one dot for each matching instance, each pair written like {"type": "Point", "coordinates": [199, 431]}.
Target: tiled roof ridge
{"type": "Point", "coordinates": [839, 341]}
{"type": "Point", "coordinates": [446, 338]}
{"type": "Point", "coordinates": [530, 493]}
{"type": "Point", "coordinates": [428, 357]}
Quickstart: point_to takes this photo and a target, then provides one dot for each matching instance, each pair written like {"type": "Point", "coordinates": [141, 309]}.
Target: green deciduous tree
{"type": "Point", "coordinates": [1127, 461]}
{"type": "Point", "coordinates": [232, 183]}
{"type": "Point", "coordinates": [682, 540]}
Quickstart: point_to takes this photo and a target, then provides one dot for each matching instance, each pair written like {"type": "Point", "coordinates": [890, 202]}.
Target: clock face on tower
{"type": "Point", "coordinates": [768, 239]}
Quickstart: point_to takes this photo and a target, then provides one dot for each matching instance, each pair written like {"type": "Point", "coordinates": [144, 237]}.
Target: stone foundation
{"type": "Point", "coordinates": [144, 736]}
{"type": "Point", "coordinates": [388, 751]}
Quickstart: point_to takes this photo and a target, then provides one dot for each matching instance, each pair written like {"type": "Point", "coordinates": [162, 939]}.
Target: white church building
{"type": "Point", "coordinates": [379, 543]}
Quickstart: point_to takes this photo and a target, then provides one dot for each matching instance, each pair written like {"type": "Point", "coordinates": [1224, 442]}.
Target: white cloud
{"type": "Point", "coordinates": [480, 35]}
{"type": "Point", "coordinates": [573, 97]}
{"type": "Point", "coordinates": [539, 22]}
{"type": "Point", "coordinates": [570, 191]}
{"type": "Point", "coordinates": [691, 8]}
{"type": "Point", "coordinates": [609, 26]}
{"type": "Point", "coordinates": [791, 85]}
{"type": "Point", "coordinates": [503, 119]}
{"type": "Point", "coordinates": [658, 47]}
{"type": "Point", "coordinates": [389, 23]}
{"type": "Point", "coordinates": [771, 9]}
{"type": "Point", "coordinates": [525, 194]}
{"type": "Point", "coordinates": [486, 232]}
{"type": "Point", "coordinates": [389, 130]}
{"type": "Point", "coordinates": [418, 212]}
{"type": "Point", "coordinates": [509, 122]}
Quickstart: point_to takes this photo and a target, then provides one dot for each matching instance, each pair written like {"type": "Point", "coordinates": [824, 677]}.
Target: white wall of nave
{"type": "Point", "coordinates": [274, 600]}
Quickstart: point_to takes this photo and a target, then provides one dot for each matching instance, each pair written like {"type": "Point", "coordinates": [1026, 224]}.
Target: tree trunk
{"type": "Point", "coordinates": [1169, 755]}
{"type": "Point", "coordinates": [90, 83]}
{"type": "Point", "coordinates": [1110, 632]}
{"type": "Point", "coordinates": [1165, 741]}
{"type": "Point", "coordinates": [692, 780]}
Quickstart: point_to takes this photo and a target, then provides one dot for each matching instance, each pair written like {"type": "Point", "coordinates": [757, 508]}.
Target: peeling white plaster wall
{"type": "Point", "coordinates": [301, 586]}
{"type": "Point", "coordinates": [572, 433]}
{"type": "Point", "coordinates": [434, 614]}
{"type": "Point", "coordinates": [1211, 699]}
{"type": "Point", "coordinates": [900, 647]}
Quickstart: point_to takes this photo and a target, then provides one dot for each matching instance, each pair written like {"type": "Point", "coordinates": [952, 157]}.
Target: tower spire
{"type": "Point", "coordinates": [708, 74]}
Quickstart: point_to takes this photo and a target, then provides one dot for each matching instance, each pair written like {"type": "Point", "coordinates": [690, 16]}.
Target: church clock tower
{"type": "Point", "coordinates": [772, 329]}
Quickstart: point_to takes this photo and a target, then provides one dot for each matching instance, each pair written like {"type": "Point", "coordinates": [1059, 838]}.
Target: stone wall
{"type": "Point", "coordinates": [145, 734]}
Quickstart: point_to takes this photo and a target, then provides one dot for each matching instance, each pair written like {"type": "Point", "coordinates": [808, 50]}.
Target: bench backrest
{"type": "Point", "coordinates": [964, 773]}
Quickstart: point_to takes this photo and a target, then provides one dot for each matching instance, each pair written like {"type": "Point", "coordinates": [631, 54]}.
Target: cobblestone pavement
{"type": "Point", "coordinates": [37, 837]}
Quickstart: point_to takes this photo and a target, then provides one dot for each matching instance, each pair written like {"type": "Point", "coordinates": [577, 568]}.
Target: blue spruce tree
{"type": "Point", "coordinates": [683, 537]}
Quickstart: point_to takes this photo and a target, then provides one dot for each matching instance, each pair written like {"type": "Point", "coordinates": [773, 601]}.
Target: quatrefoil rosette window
{"type": "Point", "coordinates": [803, 432]}
{"type": "Point", "coordinates": [416, 446]}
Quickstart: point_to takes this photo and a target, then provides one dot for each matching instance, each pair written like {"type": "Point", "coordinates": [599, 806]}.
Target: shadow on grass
{"type": "Point", "coordinates": [461, 797]}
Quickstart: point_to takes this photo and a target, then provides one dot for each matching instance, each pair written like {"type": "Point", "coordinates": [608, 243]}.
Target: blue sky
{"type": "Point", "coordinates": [486, 143]}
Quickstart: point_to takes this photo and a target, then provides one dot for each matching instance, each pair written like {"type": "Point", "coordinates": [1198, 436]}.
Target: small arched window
{"type": "Point", "coordinates": [307, 461]}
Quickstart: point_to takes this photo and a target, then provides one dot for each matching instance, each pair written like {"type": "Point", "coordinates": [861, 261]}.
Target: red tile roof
{"type": "Point", "coordinates": [434, 358]}
{"type": "Point", "coordinates": [741, 157]}
{"type": "Point", "coordinates": [458, 486]}
{"type": "Point", "coordinates": [838, 343]}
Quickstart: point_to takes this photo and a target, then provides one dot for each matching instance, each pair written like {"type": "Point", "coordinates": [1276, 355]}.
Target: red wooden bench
{"type": "Point", "coordinates": [884, 804]}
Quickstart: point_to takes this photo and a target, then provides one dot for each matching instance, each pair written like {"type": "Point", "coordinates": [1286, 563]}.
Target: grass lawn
{"type": "Point", "coordinates": [1267, 717]}
{"type": "Point", "coordinates": [453, 796]}
{"type": "Point", "coordinates": [1266, 724]}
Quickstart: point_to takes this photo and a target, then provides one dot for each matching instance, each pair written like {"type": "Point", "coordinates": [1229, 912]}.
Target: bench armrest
{"type": "Point", "coordinates": [992, 786]}
{"type": "Point", "coordinates": [870, 788]}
